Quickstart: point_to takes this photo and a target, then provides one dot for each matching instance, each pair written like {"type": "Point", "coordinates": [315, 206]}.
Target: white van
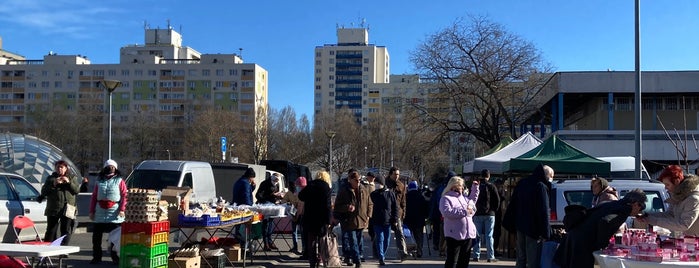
{"type": "Point", "coordinates": [578, 192]}
{"type": "Point", "coordinates": [159, 174]}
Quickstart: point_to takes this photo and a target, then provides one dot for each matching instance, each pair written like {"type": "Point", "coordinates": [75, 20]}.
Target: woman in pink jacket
{"type": "Point", "coordinates": [458, 210]}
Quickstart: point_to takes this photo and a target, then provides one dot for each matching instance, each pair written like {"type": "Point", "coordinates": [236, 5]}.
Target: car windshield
{"type": "Point", "coordinates": [584, 198]}
{"type": "Point", "coordinates": [153, 179]}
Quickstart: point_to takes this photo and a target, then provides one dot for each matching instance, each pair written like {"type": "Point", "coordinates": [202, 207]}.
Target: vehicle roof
{"type": "Point", "coordinates": [169, 164]}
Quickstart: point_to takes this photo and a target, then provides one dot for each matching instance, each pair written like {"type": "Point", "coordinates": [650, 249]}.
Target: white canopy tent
{"type": "Point", "coordinates": [494, 162]}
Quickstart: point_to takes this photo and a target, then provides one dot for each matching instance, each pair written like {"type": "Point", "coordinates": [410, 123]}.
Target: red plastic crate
{"type": "Point", "coordinates": [145, 227]}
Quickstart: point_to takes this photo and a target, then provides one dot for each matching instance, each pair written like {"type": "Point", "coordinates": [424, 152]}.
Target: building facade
{"type": "Point", "coordinates": [160, 77]}
{"type": "Point", "coordinates": [595, 111]}
{"type": "Point", "coordinates": [344, 71]}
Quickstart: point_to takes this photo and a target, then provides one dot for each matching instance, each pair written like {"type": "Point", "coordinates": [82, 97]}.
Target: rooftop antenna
{"type": "Point", "coordinates": [145, 24]}
{"type": "Point", "coordinates": [168, 25]}
{"type": "Point", "coordinates": [240, 53]}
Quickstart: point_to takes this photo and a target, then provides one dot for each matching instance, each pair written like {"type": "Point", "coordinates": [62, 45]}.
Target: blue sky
{"type": "Point", "coordinates": [280, 36]}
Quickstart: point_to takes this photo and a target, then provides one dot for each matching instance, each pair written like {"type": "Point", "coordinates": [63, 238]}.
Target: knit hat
{"type": "Point", "coordinates": [412, 185]}
{"type": "Point", "coordinates": [301, 181]}
{"type": "Point", "coordinates": [370, 174]}
{"type": "Point", "coordinates": [111, 162]}
{"type": "Point", "coordinates": [380, 180]}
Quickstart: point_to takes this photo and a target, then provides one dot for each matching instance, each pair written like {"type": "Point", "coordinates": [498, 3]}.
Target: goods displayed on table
{"type": "Point", "coordinates": [642, 245]}
{"type": "Point", "coordinates": [267, 209]}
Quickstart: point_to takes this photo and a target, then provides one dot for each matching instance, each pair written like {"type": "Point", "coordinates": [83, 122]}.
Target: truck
{"type": "Point", "coordinates": [290, 170]}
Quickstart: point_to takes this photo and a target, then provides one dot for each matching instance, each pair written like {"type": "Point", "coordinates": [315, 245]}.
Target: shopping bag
{"type": "Point", "coordinates": [548, 250]}
{"type": "Point", "coordinates": [327, 247]}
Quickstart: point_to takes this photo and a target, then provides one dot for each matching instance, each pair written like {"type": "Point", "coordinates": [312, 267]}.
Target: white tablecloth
{"type": "Point", "coordinates": [606, 261]}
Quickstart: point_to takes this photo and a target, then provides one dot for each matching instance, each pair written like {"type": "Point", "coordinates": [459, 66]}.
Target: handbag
{"type": "Point", "coordinates": [327, 248]}
{"type": "Point", "coordinates": [70, 211]}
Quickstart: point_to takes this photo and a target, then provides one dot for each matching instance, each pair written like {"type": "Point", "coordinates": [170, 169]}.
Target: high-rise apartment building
{"type": "Point", "coordinates": [344, 72]}
{"type": "Point", "coordinates": [161, 77]}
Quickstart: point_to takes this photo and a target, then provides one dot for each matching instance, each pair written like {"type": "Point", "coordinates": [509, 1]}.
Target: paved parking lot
{"type": "Point", "coordinates": [281, 258]}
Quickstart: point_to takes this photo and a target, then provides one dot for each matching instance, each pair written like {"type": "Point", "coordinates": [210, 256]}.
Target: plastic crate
{"type": "Point", "coordinates": [143, 251]}
{"type": "Point", "coordinates": [214, 262]}
{"type": "Point", "coordinates": [148, 240]}
{"type": "Point", "coordinates": [146, 227]}
{"type": "Point", "coordinates": [204, 220]}
{"type": "Point", "coordinates": [126, 261]}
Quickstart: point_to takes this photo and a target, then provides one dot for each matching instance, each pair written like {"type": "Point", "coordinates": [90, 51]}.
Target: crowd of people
{"type": "Point", "coordinates": [463, 215]}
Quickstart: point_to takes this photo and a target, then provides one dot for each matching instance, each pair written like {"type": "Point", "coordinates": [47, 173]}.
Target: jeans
{"type": "Point", "coordinates": [359, 233]}
{"type": "Point", "coordinates": [382, 234]}
{"type": "Point", "coordinates": [458, 252]}
{"type": "Point", "coordinates": [484, 230]}
{"type": "Point", "coordinates": [267, 230]}
{"type": "Point", "coordinates": [295, 227]}
{"type": "Point", "coordinates": [352, 249]}
{"type": "Point", "coordinates": [528, 251]}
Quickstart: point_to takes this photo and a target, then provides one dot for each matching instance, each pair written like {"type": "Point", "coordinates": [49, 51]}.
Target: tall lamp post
{"type": "Point", "coordinates": [365, 164]}
{"type": "Point", "coordinates": [110, 85]}
{"type": "Point", "coordinates": [331, 135]}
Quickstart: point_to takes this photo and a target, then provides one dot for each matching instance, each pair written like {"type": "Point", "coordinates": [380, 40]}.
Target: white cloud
{"type": "Point", "coordinates": [65, 17]}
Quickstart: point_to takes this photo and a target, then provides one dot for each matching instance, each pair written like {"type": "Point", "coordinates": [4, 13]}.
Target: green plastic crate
{"type": "Point", "coordinates": [126, 261]}
{"type": "Point", "coordinates": [143, 251]}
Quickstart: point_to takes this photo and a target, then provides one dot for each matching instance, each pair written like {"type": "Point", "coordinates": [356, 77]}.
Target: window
{"type": "Point", "coordinates": [152, 73]}
{"type": "Point", "coordinates": [125, 72]}
{"type": "Point", "coordinates": [111, 72]}
{"type": "Point", "coordinates": [232, 72]}
{"type": "Point", "coordinates": [670, 104]}
{"type": "Point", "coordinates": [219, 72]}
{"type": "Point", "coordinates": [366, 60]}
{"type": "Point", "coordinates": [332, 52]}
{"type": "Point", "coordinates": [58, 84]}
{"type": "Point", "coordinates": [25, 190]}
{"type": "Point", "coordinates": [332, 77]}
{"type": "Point", "coordinates": [332, 69]}
{"type": "Point", "coordinates": [318, 54]}
{"type": "Point", "coordinates": [205, 72]}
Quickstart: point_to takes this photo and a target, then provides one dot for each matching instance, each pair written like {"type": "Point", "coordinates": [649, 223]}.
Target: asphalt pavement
{"type": "Point", "coordinates": [281, 257]}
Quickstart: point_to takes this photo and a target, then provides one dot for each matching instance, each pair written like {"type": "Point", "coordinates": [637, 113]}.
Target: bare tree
{"type": "Point", "coordinates": [486, 78]}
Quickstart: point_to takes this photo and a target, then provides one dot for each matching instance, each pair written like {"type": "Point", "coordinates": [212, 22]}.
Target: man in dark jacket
{"type": "Point", "coordinates": [243, 188]}
{"type": "Point", "coordinates": [415, 215]}
{"type": "Point", "coordinates": [596, 228]}
{"type": "Point", "coordinates": [487, 205]}
{"type": "Point", "coordinates": [269, 193]}
{"type": "Point", "coordinates": [353, 203]}
{"type": "Point", "coordinates": [528, 215]}
{"type": "Point", "coordinates": [394, 184]}
{"type": "Point", "coordinates": [384, 215]}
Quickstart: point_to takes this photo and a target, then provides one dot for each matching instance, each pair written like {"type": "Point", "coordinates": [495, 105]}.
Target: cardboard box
{"type": "Point", "coordinates": [193, 262]}
{"type": "Point", "coordinates": [234, 253]}
{"type": "Point", "coordinates": [213, 262]}
{"type": "Point", "coordinates": [179, 196]}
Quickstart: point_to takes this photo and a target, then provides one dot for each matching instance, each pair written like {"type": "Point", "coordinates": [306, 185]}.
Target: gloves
{"type": "Point", "coordinates": [40, 198]}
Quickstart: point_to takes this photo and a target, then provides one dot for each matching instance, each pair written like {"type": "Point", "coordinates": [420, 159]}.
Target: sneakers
{"type": "Point", "coordinates": [382, 263]}
{"type": "Point", "coordinates": [474, 260]}
{"type": "Point", "coordinates": [348, 262]}
{"type": "Point", "coordinates": [492, 260]}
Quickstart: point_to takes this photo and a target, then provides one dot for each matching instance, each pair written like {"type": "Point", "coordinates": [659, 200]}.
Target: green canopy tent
{"type": "Point", "coordinates": [559, 155]}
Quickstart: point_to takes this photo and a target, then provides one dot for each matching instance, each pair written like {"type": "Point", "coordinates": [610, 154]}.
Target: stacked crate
{"type": "Point", "coordinates": [144, 234]}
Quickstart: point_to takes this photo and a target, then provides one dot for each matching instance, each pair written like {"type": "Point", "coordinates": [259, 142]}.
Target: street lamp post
{"type": "Point", "coordinates": [331, 135]}
{"type": "Point", "coordinates": [110, 85]}
{"type": "Point", "coordinates": [168, 154]}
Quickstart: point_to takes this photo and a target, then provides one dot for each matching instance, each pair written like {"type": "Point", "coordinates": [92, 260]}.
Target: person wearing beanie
{"type": "Point", "coordinates": [417, 210]}
{"type": "Point", "coordinates": [107, 207]}
{"type": "Point", "coordinates": [243, 188]}
{"type": "Point", "coordinates": [296, 210]}
{"type": "Point", "coordinates": [384, 215]}
{"type": "Point", "coordinates": [683, 214]}
{"type": "Point", "coordinates": [487, 205]}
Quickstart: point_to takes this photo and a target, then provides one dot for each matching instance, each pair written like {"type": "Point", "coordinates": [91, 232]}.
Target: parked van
{"type": "Point", "coordinates": [158, 174]}
{"type": "Point", "coordinates": [578, 192]}
{"type": "Point", "coordinates": [624, 167]}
